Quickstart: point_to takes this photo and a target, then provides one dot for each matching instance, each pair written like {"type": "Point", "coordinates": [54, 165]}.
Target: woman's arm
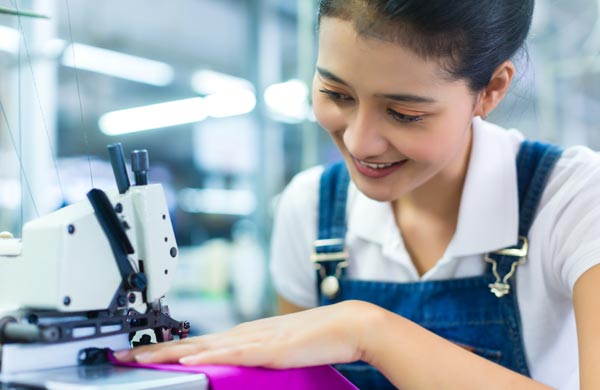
{"type": "Point", "coordinates": [406, 353]}
{"type": "Point", "coordinates": [586, 298]}
{"type": "Point", "coordinates": [412, 357]}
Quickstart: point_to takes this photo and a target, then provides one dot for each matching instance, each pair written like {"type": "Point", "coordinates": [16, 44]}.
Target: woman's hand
{"type": "Point", "coordinates": [407, 354]}
{"type": "Point", "coordinates": [324, 335]}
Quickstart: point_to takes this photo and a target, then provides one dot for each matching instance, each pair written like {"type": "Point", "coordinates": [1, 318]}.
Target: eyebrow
{"type": "Point", "coordinates": [408, 98]}
{"type": "Point", "coordinates": [328, 75]}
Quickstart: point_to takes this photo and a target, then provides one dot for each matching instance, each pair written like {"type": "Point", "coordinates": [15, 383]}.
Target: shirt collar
{"type": "Point", "coordinates": [488, 218]}
{"type": "Point", "coordinates": [489, 208]}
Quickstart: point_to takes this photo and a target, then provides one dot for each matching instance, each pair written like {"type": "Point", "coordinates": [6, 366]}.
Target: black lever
{"type": "Point", "coordinates": [117, 160]}
{"type": "Point", "coordinates": [119, 242]}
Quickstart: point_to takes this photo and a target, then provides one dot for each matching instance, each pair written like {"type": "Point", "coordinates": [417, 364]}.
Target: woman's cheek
{"type": "Point", "coordinates": [439, 148]}
{"type": "Point", "coordinates": [416, 144]}
{"type": "Point", "coordinates": [429, 153]}
{"type": "Point", "coordinates": [328, 114]}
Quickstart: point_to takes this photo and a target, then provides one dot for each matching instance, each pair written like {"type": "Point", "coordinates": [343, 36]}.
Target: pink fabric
{"type": "Point", "coordinates": [254, 378]}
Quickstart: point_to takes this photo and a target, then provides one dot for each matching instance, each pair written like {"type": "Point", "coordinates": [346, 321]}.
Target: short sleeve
{"type": "Point", "coordinates": [574, 237]}
{"type": "Point", "coordinates": [294, 231]}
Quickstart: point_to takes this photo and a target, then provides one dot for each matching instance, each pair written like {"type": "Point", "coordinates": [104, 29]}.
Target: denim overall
{"type": "Point", "coordinates": [478, 313]}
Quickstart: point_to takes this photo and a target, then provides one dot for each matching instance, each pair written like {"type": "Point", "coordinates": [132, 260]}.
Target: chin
{"type": "Point", "coordinates": [383, 199]}
{"type": "Point", "coordinates": [378, 194]}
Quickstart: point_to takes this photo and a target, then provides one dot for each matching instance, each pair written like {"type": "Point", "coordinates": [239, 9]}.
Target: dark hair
{"type": "Point", "coordinates": [470, 37]}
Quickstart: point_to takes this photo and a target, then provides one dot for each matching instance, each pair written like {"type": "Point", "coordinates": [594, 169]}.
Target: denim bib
{"type": "Point", "coordinates": [478, 313]}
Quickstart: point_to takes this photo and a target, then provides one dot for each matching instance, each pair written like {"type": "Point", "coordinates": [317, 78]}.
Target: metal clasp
{"type": "Point", "coordinates": [501, 287]}
{"type": "Point", "coordinates": [330, 285]}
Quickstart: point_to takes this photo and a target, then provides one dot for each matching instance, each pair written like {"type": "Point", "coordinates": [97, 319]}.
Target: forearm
{"type": "Point", "coordinates": [412, 357]}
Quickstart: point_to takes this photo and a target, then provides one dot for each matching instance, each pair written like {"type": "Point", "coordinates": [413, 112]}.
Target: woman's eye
{"type": "Point", "coordinates": [336, 96]}
{"type": "Point", "coordinates": [403, 117]}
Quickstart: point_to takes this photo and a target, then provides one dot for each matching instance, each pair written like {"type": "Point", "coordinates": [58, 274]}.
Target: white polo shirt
{"type": "Point", "coordinates": [564, 242]}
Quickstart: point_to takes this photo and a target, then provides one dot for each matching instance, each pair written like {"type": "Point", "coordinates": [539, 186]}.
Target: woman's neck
{"type": "Point", "coordinates": [427, 217]}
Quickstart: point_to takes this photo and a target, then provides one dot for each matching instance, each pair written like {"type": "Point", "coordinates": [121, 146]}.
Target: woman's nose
{"type": "Point", "coordinates": [363, 137]}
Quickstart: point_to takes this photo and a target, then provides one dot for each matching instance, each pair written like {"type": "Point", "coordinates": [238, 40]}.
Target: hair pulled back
{"type": "Point", "coordinates": [469, 37]}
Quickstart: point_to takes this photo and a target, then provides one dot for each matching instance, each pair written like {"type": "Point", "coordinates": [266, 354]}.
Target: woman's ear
{"type": "Point", "coordinates": [496, 89]}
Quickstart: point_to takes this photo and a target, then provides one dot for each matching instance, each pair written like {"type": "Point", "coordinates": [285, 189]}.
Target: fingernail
{"type": "Point", "coordinates": [120, 355]}
{"type": "Point", "coordinates": [186, 360]}
{"type": "Point", "coordinates": [143, 357]}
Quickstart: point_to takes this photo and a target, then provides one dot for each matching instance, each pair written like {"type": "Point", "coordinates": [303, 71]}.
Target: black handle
{"type": "Point", "coordinates": [119, 242]}
{"type": "Point", "coordinates": [117, 160]}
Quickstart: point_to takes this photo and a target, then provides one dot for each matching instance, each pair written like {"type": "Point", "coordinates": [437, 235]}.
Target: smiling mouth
{"type": "Point", "coordinates": [377, 170]}
{"type": "Point", "coordinates": [376, 165]}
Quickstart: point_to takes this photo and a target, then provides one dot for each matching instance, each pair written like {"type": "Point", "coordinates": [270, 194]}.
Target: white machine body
{"type": "Point", "coordinates": [64, 261]}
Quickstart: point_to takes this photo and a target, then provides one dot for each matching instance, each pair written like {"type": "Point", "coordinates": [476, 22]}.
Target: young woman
{"type": "Point", "coordinates": [449, 253]}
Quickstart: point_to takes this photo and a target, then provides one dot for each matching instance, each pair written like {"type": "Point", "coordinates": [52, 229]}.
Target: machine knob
{"type": "Point", "coordinates": [140, 164]}
{"type": "Point", "coordinates": [137, 281]}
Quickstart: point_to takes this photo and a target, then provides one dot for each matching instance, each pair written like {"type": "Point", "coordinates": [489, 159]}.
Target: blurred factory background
{"type": "Point", "coordinates": [218, 92]}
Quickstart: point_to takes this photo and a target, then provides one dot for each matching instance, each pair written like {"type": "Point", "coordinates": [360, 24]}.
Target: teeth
{"type": "Point", "coordinates": [375, 166]}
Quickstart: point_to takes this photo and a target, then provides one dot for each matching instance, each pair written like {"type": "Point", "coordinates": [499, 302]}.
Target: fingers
{"type": "Point", "coordinates": [165, 352]}
{"type": "Point", "coordinates": [124, 356]}
{"type": "Point", "coordinates": [251, 354]}
{"type": "Point", "coordinates": [172, 351]}
{"type": "Point", "coordinates": [193, 355]}
{"type": "Point", "coordinates": [165, 355]}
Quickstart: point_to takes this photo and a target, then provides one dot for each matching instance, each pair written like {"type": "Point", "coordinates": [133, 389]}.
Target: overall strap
{"type": "Point", "coordinates": [535, 162]}
{"type": "Point", "coordinates": [330, 256]}
{"type": "Point", "coordinates": [534, 165]}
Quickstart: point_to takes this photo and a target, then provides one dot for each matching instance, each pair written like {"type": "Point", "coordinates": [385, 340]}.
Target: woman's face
{"type": "Point", "coordinates": [398, 122]}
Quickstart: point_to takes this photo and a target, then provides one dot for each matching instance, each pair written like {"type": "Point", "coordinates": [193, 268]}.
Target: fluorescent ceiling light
{"type": "Point", "coordinates": [217, 201]}
{"type": "Point", "coordinates": [220, 105]}
{"type": "Point", "coordinates": [208, 82]}
{"type": "Point", "coordinates": [10, 39]}
{"type": "Point", "coordinates": [226, 96]}
{"type": "Point", "coordinates": [288, 101]}
{"type": "Point", "coordinates": [153, 116]}
{"type": "Point", "coordinates": [54, 48]}
{"type": "Point", "coordinates": [116, 64]}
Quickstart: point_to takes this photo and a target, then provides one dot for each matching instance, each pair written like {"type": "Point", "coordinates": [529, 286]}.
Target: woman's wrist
{"type": "Point", "coordinates": [362, 322]}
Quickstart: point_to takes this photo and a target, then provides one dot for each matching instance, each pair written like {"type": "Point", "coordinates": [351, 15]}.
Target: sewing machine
{"type": "Point", "coordinates": [88, 277]}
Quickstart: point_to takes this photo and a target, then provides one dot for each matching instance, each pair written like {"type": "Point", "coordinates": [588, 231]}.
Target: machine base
{"type": "Point", "coordinates": [103, 377]}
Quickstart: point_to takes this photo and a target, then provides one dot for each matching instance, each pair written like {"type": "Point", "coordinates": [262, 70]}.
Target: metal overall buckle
{"type": "Point", "coordinates": [330, 284]}
{"type": "Point", "coordinates": [501, 287]}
